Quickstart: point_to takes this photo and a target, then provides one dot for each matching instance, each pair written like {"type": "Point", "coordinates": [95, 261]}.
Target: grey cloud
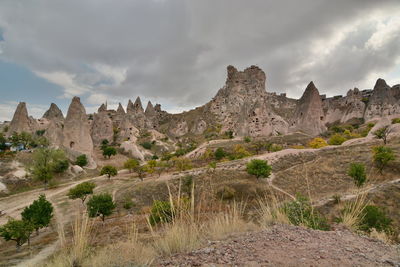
{"type": "Point", "coordinates": [178, 50]}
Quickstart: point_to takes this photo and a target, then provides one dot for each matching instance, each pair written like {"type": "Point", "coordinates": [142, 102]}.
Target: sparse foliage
{"type": "Point", "coordinates": [317, 142]}
{"type": "Point", "coordinates": [337, 139]}
{"type": "Point", "coordinates": [383, 156]}
{"type": "Point", "coordinates": [161, 212]}
{"type": "Point", "coordinates": [382, 133]}
{"type": "Point", "coordinates": [16, 230]}
{"type": "Point", "coordinates": [131, 164]}
{"type": "Point", "coordinates": [100, 205]}
{"type": "Point", "coordinates": [375, 217]}
{"type": "Point", "coordinates": [182, 164]}
{"type": "Point", "coordinates": [357, 172]}
{"type": "Point", "coordinates": [109, 171]}
{"type": "Point", "coordinates": [259, 168]}
{"type": "Point", "coordinates": [81, 191]}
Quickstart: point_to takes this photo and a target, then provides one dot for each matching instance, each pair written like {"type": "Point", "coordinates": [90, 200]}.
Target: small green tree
{"type": "Point", "coordinates": [104, 144]}
{"type": "Point", "coordinates": [382, 133]}
{"type": "Point", "coordinates": [182, 164]}
{"type": "Point", "coordinates": [141, 172]}
{"type": "Point", "coordinates": [259, 168]}
{"type": "Point", "coordinates": [109, 171]}
{"type": "Point", "coordinates": [109, 151]}
{"type": "Point", "coordinates": [39, 213]}
{"type": "Point", "coordinates": [81, 191]}
{"type": "Point", "coordinates": [46, 162]}
{"type": "Point", "coordinates": [161, 166]}
{"type": "Point", "coordinates": [17, 230]}
{"type": "Point", "coordinates": [357, 172]}
{"type": "Point", "coordinates": [383, 156]}
{"type": "Point", "coordinates": [81, 160]}
{"type": "Point", "coordinates": [100, 205]}
{"type": "Point", "coordinates": [131, 164]}
{"type": "Point", "coordinates": [219, 153]}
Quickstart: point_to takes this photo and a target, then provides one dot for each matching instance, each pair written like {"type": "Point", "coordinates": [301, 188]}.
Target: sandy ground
{"type": "Point", "coordinates": [284, 245]}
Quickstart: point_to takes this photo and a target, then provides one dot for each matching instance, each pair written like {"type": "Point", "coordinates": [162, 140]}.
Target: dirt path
{"type": "Point", "coordinates": [285, 245]}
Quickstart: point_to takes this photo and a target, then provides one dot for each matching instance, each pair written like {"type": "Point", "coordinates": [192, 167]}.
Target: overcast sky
{"type": "Point", "coordinates": [176, 52]}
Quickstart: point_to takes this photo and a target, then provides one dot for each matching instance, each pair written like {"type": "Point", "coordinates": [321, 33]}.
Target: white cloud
{"type": "Point", "coordinates": [8, 108]}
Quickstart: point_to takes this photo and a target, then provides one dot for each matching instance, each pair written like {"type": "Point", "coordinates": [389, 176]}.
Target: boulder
{"type": "Point", "coordinates": [76, 169]}
{"type": "Point", "coordinates": [132, 149]}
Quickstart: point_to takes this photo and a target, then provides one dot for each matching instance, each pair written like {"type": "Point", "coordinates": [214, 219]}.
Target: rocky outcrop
{"type": "Point", "coordinates": [21, 122]}
{"type": "Point", "coordinates": [135, 108]}
{"type": "Point", "coordinates": [76, 133]}
{"type": "Point", "coordinates": [102, 108]}
{"type": "Point", "coordinates": [384, 101]}
{"type": "Point", "coordinates": [102, 128]}
{"type": "Point", "coordinates": [120, 110]}
{"type": "Point", "coordinates": [53, 113]}
{"type": "Point", "coordinates": [309, 115]}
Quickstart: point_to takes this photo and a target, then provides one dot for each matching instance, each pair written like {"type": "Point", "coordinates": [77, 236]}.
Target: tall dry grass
{"type": "Point", "coordinates": [271, 212]}
{"type": "Point", "coordinates": [352, 214]}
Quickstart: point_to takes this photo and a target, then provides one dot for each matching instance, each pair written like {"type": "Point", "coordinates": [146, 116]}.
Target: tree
{"type": "Point", "coordinates": [219, 153]}
{"type": "Point", "coordinates": [357, 172]}
{"type": "Point", "coordinates": [109, 151]}
{"type": "Point", "coordinates": [100, 205]}
{"type": "Point", "coordinates": [151, 166]}
{"type": "Point", "coordinates": [109, 171]}
{"type": "Point", "coordinates": [161, 166]}
{"type": "Point", "coordinates": [382, 133]}
{"type": "Point", "coordinates": [383, 156]}
{"type": "Point", "coordinates": [131, 164]}
{"type": "Point", "coordinates": [240, 152]}
{"type": "Point", "coordinates": [46, 162]}
{"type": "Point", "coordinates": [81, 191]}
{"type": "Point", "coordinates": [2, 142]}
{"type": "Point", "coordinates": [259, 168]}
{"type": "Point", "coordinates": [182, 164]}
{"type": "Point", "coordinates": [39, 213]}
{"type": "Point", "coordinates": [141, 172]}
{"type": "Point", "coordinates": [16, 230]}
{"type": "Point", "coordinates": [81, 160]}
{"type": "Point", "coordinates": [259, 145]}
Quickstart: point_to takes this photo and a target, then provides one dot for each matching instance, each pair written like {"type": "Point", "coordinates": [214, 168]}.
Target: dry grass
{"type": "Point", "coordinates": [352, 213]}
{"type": "Point", "coordinates": [271, 212]}
{"type": "Point", "coordinates": [382, 236]}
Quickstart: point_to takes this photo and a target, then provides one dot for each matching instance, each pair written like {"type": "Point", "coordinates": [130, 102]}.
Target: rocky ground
{"type": "Point", "coordinates": [284, 245]}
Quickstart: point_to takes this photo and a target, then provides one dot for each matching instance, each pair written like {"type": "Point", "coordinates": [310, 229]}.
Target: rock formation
{"type": "Point", "coordinates": [102, 128]}
{"type": "Point", "coordinates": [53, 113]}
{"type": "Point", "coordinates": [102, 108]}
{"type": "Point", "coordinates": [120, 110]}
{"type": "Point", "coordinates": [309, 116]}
{"type": "Point", "coordinates": [21, 122]}
{"type": "Point", "coordinates": [76, 132]}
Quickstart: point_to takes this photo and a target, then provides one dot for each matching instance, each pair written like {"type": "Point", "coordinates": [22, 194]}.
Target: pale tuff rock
{"type": "Point", "coordinates": [54, 132]}
{"type": "Point", "coordinates": [199, 127]}
{"type": "Point", "coordinates": [120, 110]}
{"type": "Point", "coordinates": [180, 128]}
{"type": "Point", "coordinates": [102, 128]}
{"type": "Point", "coordinates": [132, 149]}
{"type": "Point", "coordinates": [127, 131]}
{"type": "Point", "coordinates": [21, 122]}
{"type": "Point", "coordinates": [241, 105]}
{"type": "Point", "coordinates": [53, 113]}
{"type": "Point", "coordinates": [75, 169]}
{"type": "Point", "coordinates": [102, 108]}
{"type": "Point", "coordinates": [76, 132]}
{"type": "Point", "coordinates": [150, 111]}
{"type": "Point", "coordinates": [135, 108]}
{"type": "Point", "coordinates": [309, 116]}
{"type": "Point", "coordinates": [384, 101]}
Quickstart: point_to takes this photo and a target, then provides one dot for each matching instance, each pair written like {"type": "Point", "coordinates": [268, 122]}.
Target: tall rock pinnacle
{"type": "Point", "coordinates": [309, 115]}
{"type": "Point", "coordinates": [53, 113]}
{"type": "Point", "coordinates": [21, 122]}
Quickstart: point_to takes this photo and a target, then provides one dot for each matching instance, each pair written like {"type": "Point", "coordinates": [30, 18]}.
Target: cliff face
{"type": "Point", "coordinates": [242, 106]}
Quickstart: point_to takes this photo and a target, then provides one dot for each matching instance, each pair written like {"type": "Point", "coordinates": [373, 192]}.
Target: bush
{"type": "Point", "coordinates": [240, 152]}
{"type": "Point", "coordinates": [109, 151]}
{"type": "Point", "coordinates": [161, 212]}
{"type": "Point", "coordinates": [146, 145]}
{"type": "Point", "coordinates": [317, 142]}
{"type": "Point", "coordinates": [383, 156]}
{"type": "Point", "coordinates": [100, 205]}
{"type": "Point", "coordinates": [128, 204]}
{"type": "Point", "coordinates": [61, 166]}
{"type": "Point", "coordinates": [182, 164]}
{"type": "Point", "coordinates": [109, 171]}
{"type": "Point", "coordinates": [226, 193]}
{"type": "Point", "coordinates": [395, 120]}
{"type": "Point", "coordinates": [39, 213]}
{"type": "Point", "coordinates": [219, 153]}
{"type": "Point", "coordinates": [131, 164]}
{"type": "Point", "coordinates": [337, 139]}
{"type": "Point", "coordinates": [81, 191]}
{"type": "Point", "coordinates": [357, 172]}
{"type": "Point", "coordinates": [375, 217]}
{"type": "Point", "coordinates": [275, 148]}
{"type": "Point", "coordinates": [300, 212]}
{"type": "Point", "coordinates": [382, 133]}
{"type": "Point", "coordinates": [247, 139]}
{"type": "Point", "coordinates": [259, 168]}
{"type": "Point", "coordinates": [81, 160]}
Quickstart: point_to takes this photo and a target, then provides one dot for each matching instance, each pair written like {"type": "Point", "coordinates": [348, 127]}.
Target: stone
{"type": "Point", "coordinates": [102, 128]}
{"type": "Point", "coordinates": [309, 115]}
{"type": "Point", "coordinates": [132, 149]}
{"type": "Point", "coordinates": [21, 122]}
{"type": "Point", "coordinates": [102, 108]}
{"type": "Point", "coordinates": [76, 131]}
{"type": "Point", "coordinates": [53, 113]}
{"type": "Point", "coordinates": [76, 169]}
{"type": "Point", "coordinates": [120, 110]}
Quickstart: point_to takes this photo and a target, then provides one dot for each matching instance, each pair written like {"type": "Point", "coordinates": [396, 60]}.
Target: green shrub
{"type": "Point", "coordinates": [247, 139]}
{"type": "Point", "coordinates": [375, 217]}
{"type": "Point", "coordinates": [161, 212]}
{"type": "Point", "coordinates": [128, 203]}
{"type": "Point", "coordinates": [383, 156]}
{"type": "Point", "coordinates": [300, 212]}
{"type": "Point", "coordinates": [275, 148]}
{"type": "Point", "coordinates": [226, 193]}
{"type": "Point", "coordinates": [109, 151]}
{"type": "Point", "coordinates": [61, 166]}
{"type": "Point", "coordinates": [395, 120]}
{"type": "Point", "coordinates": [357, 172]}
{"type": "Point", "coordinates": [100, 205]}
{"type": "Point", "coordinates": [337, 139]}
{"type": "Point", "coordinates": [259, 168]}
{"type": "Point", "coordinates": [146, 145]}
{"type": "Point", "coordinates": [81, 191]}
{"type": "Point", "coordinates": [317, 142]}
{"type": "Point", "coordinates": [81, 160]}
{"type": "Point", "coordinates": [219, 153]}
